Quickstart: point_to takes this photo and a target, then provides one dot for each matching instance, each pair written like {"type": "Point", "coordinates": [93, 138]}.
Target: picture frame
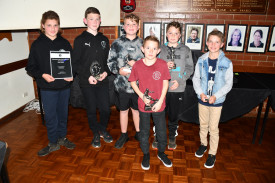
{"type": "Point", "coordinates": [271, 47]}
{"type": "Point", "coordinates": [210, 28]}
{"type": "Point", "coordinates": [120, 29]}
{"type": "Point", "coordinates": [236, 36]}
{"type": "Point", "coordinates": [257, 40]}
{"type": "Point", "coordinates": [194, 40]}
{"type": "Point", "coordinates": [164, 32]}
{"type": "Point", "coordinates": [152, 28]}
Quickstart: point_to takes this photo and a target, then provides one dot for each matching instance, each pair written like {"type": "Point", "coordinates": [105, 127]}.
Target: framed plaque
{"type": "Point", "coordinates": [272, 40]}
{"type": "Point", "coordinates": [152, 29]}
{"type": "Point", "coordinates": [61, 66]}
{"type": "Point", "coordinates": [235, 40]}
{"type": "Point", "coordinates": [193, 36]}
{"type": "Point", "coordinates": [257, 39]}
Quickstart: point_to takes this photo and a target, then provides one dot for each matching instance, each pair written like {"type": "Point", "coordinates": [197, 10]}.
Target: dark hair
{"type": "Point", "coordinates": [150, 38]}
{"type": "Point", "coordinates": [195, 29]}
{"type": "Point", "coordinates": [48, 15]}
{"type": "Point", "coordinates": [91, 10]}
{"type": "Point", "coordinates": [216, 33]}
{"type": "Point", "coordinates": [259, 31]}
{"type": "Point", "coordinates": [132, 17]}
{"type": "Point", "coordinates": [174, 24]}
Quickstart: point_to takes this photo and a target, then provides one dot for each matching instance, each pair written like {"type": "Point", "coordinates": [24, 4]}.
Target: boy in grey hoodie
{"type": "Point", "coordinates": [180, 63]}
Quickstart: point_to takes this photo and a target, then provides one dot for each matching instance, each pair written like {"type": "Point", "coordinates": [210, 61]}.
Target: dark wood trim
{"type": "Point", "coordinates": [13, 66]}
{"type": "Point", "coordinates": [12, 115]}
{"type": "Point", "coordinates": [254, 69]}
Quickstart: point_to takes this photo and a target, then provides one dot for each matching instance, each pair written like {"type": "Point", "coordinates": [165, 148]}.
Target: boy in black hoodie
{"type": "Point", "coordinates": [90, 55]}
{"type": "Point", "coordinates": [55, 92]}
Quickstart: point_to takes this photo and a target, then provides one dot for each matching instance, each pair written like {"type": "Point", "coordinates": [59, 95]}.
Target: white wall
{"type": "Point", "coordinates": [16, 87]}
{"type": "Point", "coordinates": [26, 14]}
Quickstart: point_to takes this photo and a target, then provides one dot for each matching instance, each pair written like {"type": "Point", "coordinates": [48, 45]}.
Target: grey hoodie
{"type": "Point", "coordinates": [184, 65]}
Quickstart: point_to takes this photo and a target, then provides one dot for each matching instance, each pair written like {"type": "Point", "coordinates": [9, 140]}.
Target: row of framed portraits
{"type": "Point", "coordinates": [235, 38]}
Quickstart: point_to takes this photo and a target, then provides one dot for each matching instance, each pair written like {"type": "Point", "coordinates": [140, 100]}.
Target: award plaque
{"type": "Point", "coordinates": [61, 66]}
{"type": "Point", "coordinates": [95, 70]}
{"type": "Point", "coordinates": [173, 57]}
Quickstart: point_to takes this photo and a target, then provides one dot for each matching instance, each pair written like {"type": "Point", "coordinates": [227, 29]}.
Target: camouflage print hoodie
{"type": "Point", "coordinates": [121, 50]}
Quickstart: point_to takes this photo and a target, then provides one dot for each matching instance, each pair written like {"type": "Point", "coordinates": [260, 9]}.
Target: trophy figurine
{"type": "Point", "coordinates": [127, 67]}
{"type": "Point", "coordinates": [173, 57]}
{"type": "Point", "coordinates": [95, 70]}
{"type": "Point", "coordinates": [149, 107]}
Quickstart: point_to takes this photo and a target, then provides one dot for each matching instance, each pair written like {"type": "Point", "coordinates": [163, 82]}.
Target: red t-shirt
{"type": "Point", "coordinates": [150, 77]}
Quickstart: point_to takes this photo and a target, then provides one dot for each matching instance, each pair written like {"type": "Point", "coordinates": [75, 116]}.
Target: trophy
{"type": "Point", "coordinates": [95, 70]}
{"type": "Point", "coordinates": [149, 107]}
{"type": "Point", "coordinates": [173, 57]}
{"type": "Point", "coordinates": [127, 67]}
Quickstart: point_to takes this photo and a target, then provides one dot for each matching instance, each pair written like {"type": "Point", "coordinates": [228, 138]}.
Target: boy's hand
{"type": "Point", "coordinates": [123, 72]}
{"type": "Point", "coordinates": [175, 85]}
{"type": "Point", "coordinates": [203, 97]}
{"type": "Point", "coordinates": [212, 99]}
{"type": "Point", "coordinates": [131, 63]}
{"type": "Point", "coordinates": [69, 79]}
{"type": "Point", "coordinates": [170, 64]}
{"type": "Point", "coordinates": [48, 78]}
{"type": "Point", "coordinates": [92, 80]}
{"type": "Point", "coordinates": [157, 106]}
{"type": "Point", "coordinates": [102, 76]}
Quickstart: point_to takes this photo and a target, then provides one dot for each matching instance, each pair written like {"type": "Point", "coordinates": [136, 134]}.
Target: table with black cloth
{"type": "Point", "coordinates": [268, 80]}
{"type": "Point", "coordinates": [245, 95]}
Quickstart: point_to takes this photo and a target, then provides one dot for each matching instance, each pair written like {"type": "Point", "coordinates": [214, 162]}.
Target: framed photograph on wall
{"type": "Point", "coordinates": [120, 29]}
{"type": "Point", "coordinates": [210, 28]}
{"type": "Point", "coordinates": [193, 36]}
{"type": "Point", "coordinates": [153, 29]}
{"type": "Point", "coordinates": [235, 38]}
{"type": "Point", "coordinates": [272, 40]}
{"type": "Point", "coordinates": [257, 39]}
{"type": "Point", "coordinates": [164, 32]}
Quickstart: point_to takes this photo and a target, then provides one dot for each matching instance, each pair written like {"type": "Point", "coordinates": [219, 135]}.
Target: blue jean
{"type": "Point", "coordinates": [160, 125]}
{"type": "Point", "coordinates": [97, 96]}
{"type": "Point", "coordinates": [55, 105]}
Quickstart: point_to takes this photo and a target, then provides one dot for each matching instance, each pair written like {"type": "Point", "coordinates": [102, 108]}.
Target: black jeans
{"type": "Point", "coordinates": [174, 102]}
{"type": "Point", "coordinates": [97, 96]}
{"type": "Point", "coordinates": [160, 125]}
{"type": "Point", "coordinates": [55, 105]}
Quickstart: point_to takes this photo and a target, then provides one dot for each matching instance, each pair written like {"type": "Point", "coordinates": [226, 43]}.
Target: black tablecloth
{"type": "Point", "coordinates": [268, 80]}
{"type": "Point", "coordinates": [245, 95]}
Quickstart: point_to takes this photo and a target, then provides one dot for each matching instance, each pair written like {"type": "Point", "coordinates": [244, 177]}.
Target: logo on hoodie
{"type": "Point", "coordinates": [88, 44]}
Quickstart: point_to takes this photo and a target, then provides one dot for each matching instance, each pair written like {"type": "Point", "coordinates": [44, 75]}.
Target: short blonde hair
{"type": "Point", "coordinates": [132, 17]}
{"type": "Point", "coordinates": [150, 38]}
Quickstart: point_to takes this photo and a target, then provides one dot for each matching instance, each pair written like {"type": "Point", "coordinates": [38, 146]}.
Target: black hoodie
{"type": "Point", "coordinates": [39, 61]}
{"type": "Point", "coordinates": [89, 49]}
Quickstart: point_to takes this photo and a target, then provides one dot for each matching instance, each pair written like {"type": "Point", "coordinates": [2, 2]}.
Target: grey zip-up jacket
{"type": "Point", "coordinates": [121, 50]}
{"type": "Point", "coordinates": [184, 65]}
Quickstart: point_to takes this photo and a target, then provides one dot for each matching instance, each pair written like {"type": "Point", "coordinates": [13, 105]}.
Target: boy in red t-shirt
{"type": "Point", "coordinates": [151, 73]}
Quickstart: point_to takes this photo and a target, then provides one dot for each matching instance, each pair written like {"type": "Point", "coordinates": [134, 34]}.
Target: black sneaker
{"type": "Point", "coordinates": [155, 143]}
{"type": "Point", "coordinates": [122, 140]}
{"type": "Point", "coordinates": [145, 164]}
{"type": "Point", "coordinates": [172, 143]}
{"type": "Point", "coordinates": [137, 136]}
{"type": "Point", "coordinates": [199, 153]}
{"type": "Point", "coordinates": [66, 143]}
{"type": "Point", "coordinates": [96, 141]}
{"type": "Point", "coordinates": [210, 161]}
{"type": "Point", "coordinates": [47, 150]}
{"type": "Point", "coordinates": [106, 136]}
{"type": "Point", "coordinates": [163, 157]}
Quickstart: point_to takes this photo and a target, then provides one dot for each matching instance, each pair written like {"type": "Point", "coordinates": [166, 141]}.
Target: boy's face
{"type": "Point", "coordinates": [130, 27]}
{"type": "Point", "coordinates": [173, 35]}
{"type": "Point", "coordinates": [150, 50]}
{"type": "Point", "coordinates": [92, 21]}
{"type": "Point", "coordinates": [51, 28]}
{"type": "Point", "coordinates": [194, 34]}
{"type": "Point", "coordinates": [214, 44]}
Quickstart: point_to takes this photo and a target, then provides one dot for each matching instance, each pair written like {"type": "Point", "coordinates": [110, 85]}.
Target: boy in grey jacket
{"type": "Point", "coordinates": [212, 80]}
{"type": "Point", "coordinates": [180, 64]}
